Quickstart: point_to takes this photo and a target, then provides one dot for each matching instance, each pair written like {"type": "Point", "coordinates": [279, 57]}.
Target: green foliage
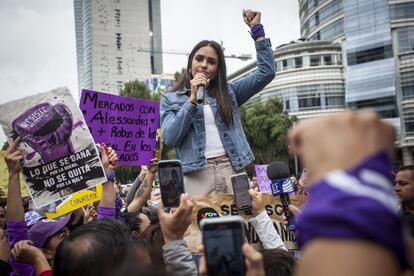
{"type": "Point", "coordinates": [178, 75]}
{"type": "Point", "coordinates": [266, 127]}
{"type": "Point", "coordinates": [126, 175]}
{"type": "Point", "coordinates": [138, 89]}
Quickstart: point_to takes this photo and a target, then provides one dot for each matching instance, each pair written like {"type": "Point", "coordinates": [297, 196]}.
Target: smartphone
{"type": "Point", "coordinates": [241, 188]}
{"type": "Point", "coordinates": [223, 238]}
{"type": "Point", "coordinates": [171, 182]}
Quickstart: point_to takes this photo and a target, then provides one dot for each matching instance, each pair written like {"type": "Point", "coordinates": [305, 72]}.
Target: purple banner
{"type": "Point", "coordinates": [128, 125]}
{"type": "Point", "coordinates": [262, 181]}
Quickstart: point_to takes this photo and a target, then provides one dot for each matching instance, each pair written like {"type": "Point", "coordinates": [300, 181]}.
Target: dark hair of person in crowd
{"type": "Point", "coordinates": [408, 215]}
{"type": "Point", "coordinates": [132, 221]}
{"type": "Point", "coordinates": [2, 217]}
{"type": "Point", "coordinates": [155, 239]}
{"type": "Point", "coordinates": [152, 214]}
{"type": "Point", "coordinates": [278, 262]}
{"type": "Point", "coordinates": [217, 86]}
{"type": "Point", "coordinates": [142, 251]}
{"type": "Point", "coordinates": [102, 247]}
{"type": "Point", "coordinates": [137, 223]}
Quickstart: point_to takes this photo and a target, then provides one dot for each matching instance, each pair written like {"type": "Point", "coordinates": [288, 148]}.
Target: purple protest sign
{"type": "Point", "coordinates": [262, 181]}
{"type": "Point", "coordinates": [128, 125]}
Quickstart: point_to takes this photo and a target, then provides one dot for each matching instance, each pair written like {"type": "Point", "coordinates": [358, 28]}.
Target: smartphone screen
{"type": "Point", "coordinates": [241, 191]}
{"type": "Point", "coordinates": [171, 182]}
{"type": "Point", "coordinates": [222, 244]}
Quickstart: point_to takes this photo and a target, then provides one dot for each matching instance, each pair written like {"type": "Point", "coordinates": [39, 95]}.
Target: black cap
{"type": "Point", "coordinates": [207, 212]}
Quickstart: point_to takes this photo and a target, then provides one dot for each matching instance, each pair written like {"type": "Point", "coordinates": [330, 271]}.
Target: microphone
{"type": "Point", "coordinates": [278, 172]}
{"type": "Point", "coordinates": [200, 94]}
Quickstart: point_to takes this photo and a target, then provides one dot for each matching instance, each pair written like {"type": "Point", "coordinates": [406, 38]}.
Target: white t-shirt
{"type": "Point", "coordinates": [214, 145]}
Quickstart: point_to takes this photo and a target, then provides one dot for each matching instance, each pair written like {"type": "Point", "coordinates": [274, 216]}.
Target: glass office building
{"type": "Point", "coordinates": [377, 38]}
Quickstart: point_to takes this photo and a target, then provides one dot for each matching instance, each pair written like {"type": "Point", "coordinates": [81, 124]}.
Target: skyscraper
{"type": "Point", "coordinates": [117, 41]}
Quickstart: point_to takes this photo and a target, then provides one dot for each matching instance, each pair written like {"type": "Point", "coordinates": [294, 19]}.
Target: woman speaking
{"type": "Point", "coordinates": [200, 118]}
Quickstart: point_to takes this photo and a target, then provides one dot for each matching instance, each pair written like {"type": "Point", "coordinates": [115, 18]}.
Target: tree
{"type": "Point", "coordinates": [266, 126]}
{"type": "Point", "coordinates": [178, 75]}
{"type": "Point", "coordinates": [138, 89]}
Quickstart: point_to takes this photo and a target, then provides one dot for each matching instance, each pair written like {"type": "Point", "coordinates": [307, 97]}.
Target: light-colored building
{"type": "Point", "coordinates": [160, 82]}
{"type": "Point", "coordinates": [117, 41]}
{"type": "Point", "coordinates": [309, 78]}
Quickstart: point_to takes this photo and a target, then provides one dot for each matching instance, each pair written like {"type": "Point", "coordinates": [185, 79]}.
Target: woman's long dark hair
{"type": "Point", "coordinates": [217, 87]}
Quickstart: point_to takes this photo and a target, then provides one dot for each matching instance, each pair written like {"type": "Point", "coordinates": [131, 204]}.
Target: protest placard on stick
{"type": "Point", "coordinates": [59, 155]}
{"type": "Point", "coordinates": [128, 125]}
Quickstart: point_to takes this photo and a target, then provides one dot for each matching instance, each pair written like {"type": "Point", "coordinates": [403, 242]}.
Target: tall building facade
{"type": "Point", "coordinates": [117, 41]}
{"type": "Point", "coordinates": [377, 38]}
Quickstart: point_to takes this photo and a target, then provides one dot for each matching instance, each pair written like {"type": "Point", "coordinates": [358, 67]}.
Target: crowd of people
{"type": "Point", "coordinates": [357, 220]}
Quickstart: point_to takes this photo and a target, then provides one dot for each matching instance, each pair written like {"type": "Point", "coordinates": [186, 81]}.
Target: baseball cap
{"type": "Point", "coordinates": [205, 213]}
{"type": "Point", "coordinates": [44, 229]}
{"type": "Point", "coordinates": [31, 217]}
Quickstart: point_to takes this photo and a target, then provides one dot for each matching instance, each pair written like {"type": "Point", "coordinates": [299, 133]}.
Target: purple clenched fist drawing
{"type": "Point", "coordinates": [47, 129]}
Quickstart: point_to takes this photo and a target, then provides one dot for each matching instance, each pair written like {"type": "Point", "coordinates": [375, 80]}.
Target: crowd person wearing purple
{"type": "Point", "coordinates": [208, 136]}
{"type": "Point", "coordinates": [350, 224]}
{"type": "Point", "coordinates": [45, 234]}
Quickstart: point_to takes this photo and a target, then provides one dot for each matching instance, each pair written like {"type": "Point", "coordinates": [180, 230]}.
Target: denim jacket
{"type": "Point", "coordinates": [182, 122]}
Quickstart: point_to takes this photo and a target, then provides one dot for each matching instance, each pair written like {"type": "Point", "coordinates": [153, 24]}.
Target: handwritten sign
{"type": "Point", "coordinates": [262, 181]}
{"type": "Point", "coordinates": [59, 155]}
{"type": "Point", "coordinates": [128, 125]}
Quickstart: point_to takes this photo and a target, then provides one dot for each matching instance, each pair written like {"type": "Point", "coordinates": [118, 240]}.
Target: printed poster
{"type": "Point", "coordinates": [224, 205]}
{"type": "Point", "coordinates": [60, 156]}
{"type": "Point", "coordinates": [128, 125]}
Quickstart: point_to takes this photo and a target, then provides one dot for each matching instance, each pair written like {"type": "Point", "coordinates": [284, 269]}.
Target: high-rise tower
{"type": "Point", "coordinates": [117, 41]}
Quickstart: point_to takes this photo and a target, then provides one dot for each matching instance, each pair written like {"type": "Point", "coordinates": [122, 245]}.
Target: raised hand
{"type": "Point", "coordinates": [13, 157]}
{"type": "Point", "coordinates": [251, 18]}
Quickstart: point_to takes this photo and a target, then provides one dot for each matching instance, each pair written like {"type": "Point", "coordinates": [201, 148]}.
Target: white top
{"type": "Point", "coordinates": [214, 145]}
{"type": "Point", "coordinates": [267, 232]}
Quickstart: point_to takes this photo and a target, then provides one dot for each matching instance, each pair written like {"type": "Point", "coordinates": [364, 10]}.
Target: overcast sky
{"type": "Point", "coordinates": [38, 51]}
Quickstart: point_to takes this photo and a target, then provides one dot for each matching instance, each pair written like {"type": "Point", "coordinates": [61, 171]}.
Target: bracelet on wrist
{"type": "Point", "coordinates": [110, 176]}
{"type": "Point", "coordinates": [257, 31]}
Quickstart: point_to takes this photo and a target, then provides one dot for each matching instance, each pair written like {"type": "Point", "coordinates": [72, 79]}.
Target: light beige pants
{"type": "Point", "coordinates": [215, 180]}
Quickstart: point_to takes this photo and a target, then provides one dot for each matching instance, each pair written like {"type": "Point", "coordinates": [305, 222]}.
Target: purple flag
{"type": "Point", "coordinates": [128, 125]}
{"type": "Point", "coordinates": [262, 181]}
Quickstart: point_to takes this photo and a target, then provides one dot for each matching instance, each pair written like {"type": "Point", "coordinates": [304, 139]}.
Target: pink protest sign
{"type": "Point", "coordinates": [128, 125]}
{"type": "Point", "coordinates": [262, 181]}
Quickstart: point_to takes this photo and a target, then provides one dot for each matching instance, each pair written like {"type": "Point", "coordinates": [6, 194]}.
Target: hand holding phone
{"type": "Point", "coordinates": [223, 238]}
{"type": "Point", "coordinates": [171, 182]}
{"type": "Point", "coordinates": [241, 188]}
{"type": "Point", "coordinates": [174, 225]}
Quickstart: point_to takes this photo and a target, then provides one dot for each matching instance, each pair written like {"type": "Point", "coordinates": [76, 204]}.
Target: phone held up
{"type": "Point", "coordinates": [241, 188]}
{"type": "Point", "coordinates": [223, 238]}
{"type": "Point", "coordinates": [171, 182]}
